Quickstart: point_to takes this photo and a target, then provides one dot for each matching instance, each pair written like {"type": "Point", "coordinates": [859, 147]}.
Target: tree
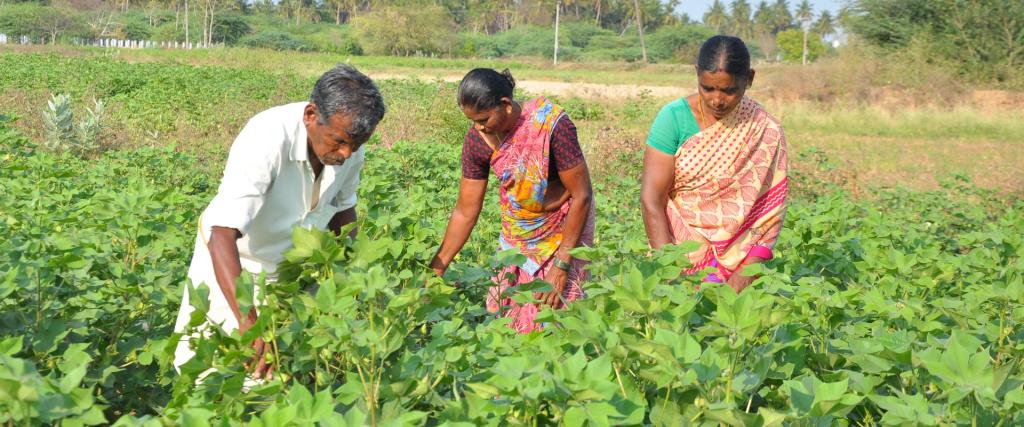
{"type": "Point", "coordinates": [640, 27]}
{"type": "Point", "coordinates": [804, 14]}
{"type": "Point", "coordinates": [558, 6]}
{"type": "Point", "coordinates": [404, 31]}
{"type": "Point", "coordinates": [984, 38]}
{"type": "Point", "coordinates": [716, 17]}
{"type": "Point", "coordinates": [764, 25]}
{"type": "Point", "coordinates": [742, 26]}
{"type": "Point", "coordinates": [825, 24]}
{"type": "Point", "coordinates": [782, 19]}
{"type": "Point", "coordinates": [791, 45]}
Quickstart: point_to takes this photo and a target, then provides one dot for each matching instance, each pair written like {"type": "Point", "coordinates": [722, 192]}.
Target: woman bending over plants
{"type": "Point", "coordinates": [715, 169]}
{"type": "Point", "coordinates": [544, 187]}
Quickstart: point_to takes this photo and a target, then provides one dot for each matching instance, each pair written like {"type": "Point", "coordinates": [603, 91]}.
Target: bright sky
{"type": "Point", "coordinates": [696, 8]}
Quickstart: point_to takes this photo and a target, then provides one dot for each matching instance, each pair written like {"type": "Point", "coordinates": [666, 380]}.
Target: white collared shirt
{"type": "Point", "coordinates": [268, 189]}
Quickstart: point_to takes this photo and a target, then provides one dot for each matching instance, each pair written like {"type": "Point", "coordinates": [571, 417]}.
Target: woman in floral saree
{"type": "Point", "coordinates": [715, 169]}
{"type": "Point", "coordinates": [544, 188]}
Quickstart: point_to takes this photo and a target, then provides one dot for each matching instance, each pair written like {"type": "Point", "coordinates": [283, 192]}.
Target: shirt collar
{"type": "Point", "coordinates": [300, 147]}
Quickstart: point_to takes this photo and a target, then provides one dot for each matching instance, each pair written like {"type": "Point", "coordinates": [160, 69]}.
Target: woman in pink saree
{"type": "Point", "coordinates": [544, 191]}
{"type": "Point", "coordinates": [715, 169]}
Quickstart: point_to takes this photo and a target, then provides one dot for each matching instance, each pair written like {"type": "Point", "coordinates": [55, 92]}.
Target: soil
{"type": "Point", "coordinates": [567, 89]}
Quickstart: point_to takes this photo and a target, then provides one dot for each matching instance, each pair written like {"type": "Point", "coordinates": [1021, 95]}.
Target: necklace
{"type": "Point", "coordinates": [700, 107]}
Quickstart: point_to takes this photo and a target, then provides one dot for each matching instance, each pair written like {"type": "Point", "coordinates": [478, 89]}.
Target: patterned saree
{"type": "Point", "coordinates": [730, 190]}
{"type": "Point", "coordinates": [521, 165]}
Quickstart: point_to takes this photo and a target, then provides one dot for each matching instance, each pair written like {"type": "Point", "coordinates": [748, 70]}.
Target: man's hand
{"type": "Point", "coordinates": [557, 278]}
{"type": "Point", "coordinates": [261, 369]}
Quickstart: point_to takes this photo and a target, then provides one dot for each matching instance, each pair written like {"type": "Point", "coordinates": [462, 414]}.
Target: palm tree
{"type": "Point", "coordinates": [804, 11]}
{"type": "Point", "coordinates": [558, 15]}
{"type": "Point", "coordinates": [764, 24]}
{"type": "Point", "coordinates": [843, 18]}
{"type": "Point", "coordinates": [640, 28]}
{"type": "Point", "coordinates": [742, 27]}
{"type": "Point", "coordinates": [781, 17]}
{"type": "Point", "coordinates": [804, 14]}
{"type": "Point", "coordinates": [716, 17]}
{"type": "Point", "coordinates": [825, 25]}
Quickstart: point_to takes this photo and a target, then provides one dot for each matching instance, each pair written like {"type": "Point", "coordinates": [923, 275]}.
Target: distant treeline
{"type": "Point", "coordinates": [588, 30]}
{"type": "Point", "coordinates": [979, 38]}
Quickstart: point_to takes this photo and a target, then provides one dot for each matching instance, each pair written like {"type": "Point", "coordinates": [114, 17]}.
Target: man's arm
{"type": "Point", "coordinates": [227, 267]}
{"type": "Point", "coordinates": [341, 219]}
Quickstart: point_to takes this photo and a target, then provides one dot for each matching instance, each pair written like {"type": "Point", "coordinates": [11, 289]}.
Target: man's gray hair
{"type": "Point", "coordinates": [344, 89]}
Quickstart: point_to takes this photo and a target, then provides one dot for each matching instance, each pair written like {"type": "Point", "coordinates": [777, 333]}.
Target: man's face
{"type": "Point", "coordinates": [329, 141]}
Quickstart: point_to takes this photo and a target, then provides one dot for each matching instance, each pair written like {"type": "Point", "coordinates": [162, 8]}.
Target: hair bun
{"type": "Point", "coordinates": [508, 76]}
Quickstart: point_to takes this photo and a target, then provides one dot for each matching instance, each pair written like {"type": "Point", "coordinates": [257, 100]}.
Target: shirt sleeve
{"type": "Point", "coordinates": [665, 133]}
{"type": "Point", "coordinates": [565, 146]}
{"type": "Point", "coordinates": [252, 165]}
{"type": "Point", "coordinates": [348, 183]}
{"type": "Point", "coordinates": [476, 156]}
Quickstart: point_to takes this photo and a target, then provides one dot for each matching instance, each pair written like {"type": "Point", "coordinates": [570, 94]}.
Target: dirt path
{"type": "Point", "coordinates": [565, 89]}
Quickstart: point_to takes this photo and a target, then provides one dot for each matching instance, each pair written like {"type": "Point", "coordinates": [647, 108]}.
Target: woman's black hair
{"type": "Point", "coordinates": [724, 53]}
{"type": "Point", "coordinates": [483, 88]}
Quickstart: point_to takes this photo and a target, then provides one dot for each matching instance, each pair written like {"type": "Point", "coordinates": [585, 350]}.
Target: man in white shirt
{"type": "Point", "coordinates": [292, 165]}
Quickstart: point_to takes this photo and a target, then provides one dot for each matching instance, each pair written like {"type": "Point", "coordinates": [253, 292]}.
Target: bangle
{"type": "Point", "coordinates": [564, 265]}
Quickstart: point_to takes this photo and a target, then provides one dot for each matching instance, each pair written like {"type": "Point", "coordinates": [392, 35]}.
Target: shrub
{"type": "Point", "coordinates": [477, 45]}
{"type": "Point", "coordinates": [274, 40]}
{"type": "Point", "coordinates": [791, 44]}
{"type": "Point", "coordinates": [983, 39]}
{"type": "Point", "coordinates": [134, 26]}
{"type": "Point", "coordinates": [678, 42]}
{"type": "Point", "coordinates": [63, 134]}
{"type": "Point", "coordinates": [38, 21]}
{"type": "Point", "coordinates": [230, 28]}
{"type": "Point", "coordinates": [395, 30]}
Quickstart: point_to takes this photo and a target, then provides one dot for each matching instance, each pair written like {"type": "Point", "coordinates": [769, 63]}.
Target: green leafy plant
{"type": "Point", "coordinates": [64, 134]}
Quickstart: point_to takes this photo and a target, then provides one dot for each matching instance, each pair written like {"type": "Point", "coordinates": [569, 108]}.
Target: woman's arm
{"type": "Point", "coordinates": [655, 183]}
{"type": "Point", "coordinates": [461, 222]}
{"type": "Point", "coordinates": [577, 182]}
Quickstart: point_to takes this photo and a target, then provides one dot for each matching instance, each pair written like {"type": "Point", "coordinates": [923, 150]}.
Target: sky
{"type": "Point", "coordinates": [696, 8]}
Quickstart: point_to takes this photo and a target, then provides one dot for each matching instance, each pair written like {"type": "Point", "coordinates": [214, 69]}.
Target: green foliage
{"type": "Point", "coordinates": [530, 41]}
{"type": "Point", "coordinates": [63, 134]}
{"type": "Point", "coordinates": [135, 26]}
{"type": "Point", "coordinates": [791, 44]}
{"type": "Point", "coordinates": [38, 21]}
{"type": "Point", "coordinates": [273, 40]}
{"type": "Point", "coordinates": [681, 43]}
{"type": "Point", "coordinates": [982, 39]}
{"type": "Point", "coordinates": [230, 28]}
{"type": "Point", "coordinates": [907, 308]}
{"type": "Point", "coordinates": [404, 31]}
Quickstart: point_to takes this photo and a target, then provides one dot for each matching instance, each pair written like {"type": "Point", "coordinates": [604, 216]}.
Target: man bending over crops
{"type": "Point", "coordinates": [292, 165]}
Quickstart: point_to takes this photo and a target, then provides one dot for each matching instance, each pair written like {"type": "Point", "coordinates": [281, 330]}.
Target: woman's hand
{"type": "Point", "coordinates": [557, 278]}
{"type": "Point", "coordinates": [738, 281]}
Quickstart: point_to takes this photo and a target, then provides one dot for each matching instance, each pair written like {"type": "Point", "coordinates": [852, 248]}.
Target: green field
{"type": "Point", "coordinates": [896, 142]}
{"type": "Point", "coordinates": [895, 299]}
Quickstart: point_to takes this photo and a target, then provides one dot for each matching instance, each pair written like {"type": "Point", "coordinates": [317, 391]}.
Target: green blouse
{"type": "Point", "coordinates": [674, 124]}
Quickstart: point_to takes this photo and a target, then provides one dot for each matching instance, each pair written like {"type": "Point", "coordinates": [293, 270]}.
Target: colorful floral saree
{"type": "Point", "coordinates": [521, 165]}
{"type": "Point", "coordinates": [730, 190]}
